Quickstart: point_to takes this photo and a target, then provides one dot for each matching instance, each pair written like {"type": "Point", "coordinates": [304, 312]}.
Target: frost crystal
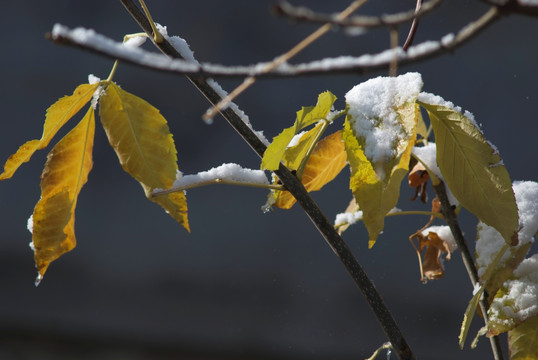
{"type": "Point", "coordinates": [373, 116]}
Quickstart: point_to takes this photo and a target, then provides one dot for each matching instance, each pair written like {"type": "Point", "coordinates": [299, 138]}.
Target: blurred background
{"type": "Point", "coordinates": [243, 284]}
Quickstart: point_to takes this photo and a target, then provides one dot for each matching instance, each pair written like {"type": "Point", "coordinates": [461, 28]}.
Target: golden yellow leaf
{"type": "Point", "coordinates": [142, 140]}
{"type": "Point", "coordinates": [66, 171]}
{"type": "Point", "coordinates": [323, 165]}
{"type": "Point", "coordinates": [57, 115]}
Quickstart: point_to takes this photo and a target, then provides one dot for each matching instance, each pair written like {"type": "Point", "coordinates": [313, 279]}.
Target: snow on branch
{"type": "Point", "coordinates": [229, 173]}
{"type": "Point", "coordinates": [300, 13]}
{"type": "Point", "coordinates": [90, 40]}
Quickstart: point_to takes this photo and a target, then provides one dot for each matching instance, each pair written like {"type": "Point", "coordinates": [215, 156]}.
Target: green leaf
{"type": "Point", "coordinates": [57, 115]}
{"type": "Point", "coordinates": [473, 170]}
{"type": "Point", "coordinates": [294, 155]}
{"type": "Point", "coordinates": [523, 340]}
{"type": "Point", "coordinates": [305, 117]}
{"type": "Point", "coordinates": [142, 140]}
{"type": "Point", "coordinates": [376, 195]}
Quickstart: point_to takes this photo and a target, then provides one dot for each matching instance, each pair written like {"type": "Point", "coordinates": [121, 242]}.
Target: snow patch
{"type": "Point", "coordinates": [230, 171]}
{"type": "Point", "coordinates": [490, 241]}
{"type": "Point", "coordinates": [373, 116]}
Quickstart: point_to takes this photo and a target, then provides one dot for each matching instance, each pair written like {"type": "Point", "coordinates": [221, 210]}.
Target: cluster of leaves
{"type": "Point", "coordinates": [140, 137]}
{"type": "Point", "coordinates": [468, 164]}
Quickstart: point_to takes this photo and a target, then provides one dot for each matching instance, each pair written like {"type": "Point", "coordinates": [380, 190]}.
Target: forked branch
{"type": "Point", "coordinates": [294, 186]}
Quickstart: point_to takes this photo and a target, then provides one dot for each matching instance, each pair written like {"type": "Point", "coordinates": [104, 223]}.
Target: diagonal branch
{"type": "Point", "coordinates": [297, 189]}
{"type": "Point", "coordinates": [452, 221]}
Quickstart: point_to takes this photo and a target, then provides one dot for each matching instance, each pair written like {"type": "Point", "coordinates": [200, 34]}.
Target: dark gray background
{"type": "Point", "coordinates": [244, 284]}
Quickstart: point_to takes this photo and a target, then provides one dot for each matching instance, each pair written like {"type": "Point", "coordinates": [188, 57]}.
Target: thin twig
{"type": "Point", "coordinates": [282, 59]}
{"type": "Point", "coordinates": [452, 221]}
{"type": "Point", "coordinates": [393, 67]}
{"type": "Point", "coordinates": [294, 186]}
{"type": "Point", "coordinates": [414, 27]}
{"type": "Point", "coordinates": [174, 189]}
{"type": "Point", "coordinates": [341, 65]}
{"type": "Point", "coordinates": [361, 21]}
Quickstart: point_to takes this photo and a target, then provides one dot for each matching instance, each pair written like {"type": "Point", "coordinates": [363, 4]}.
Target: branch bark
{"type": "Point", "coordinates": [452, 221]}
{"type": "Point", "coordinates": [304, 14]}
{"type": "Point", "coordinates": [340, 65]}
{"type": "Point", "coordinates": [293, 185]}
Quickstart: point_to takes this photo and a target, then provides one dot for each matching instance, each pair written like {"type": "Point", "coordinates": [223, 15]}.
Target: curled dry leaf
{"type": "Point", "coordinates": [432, 265]}
{"type": "Point", "coordinates": [418, 178]}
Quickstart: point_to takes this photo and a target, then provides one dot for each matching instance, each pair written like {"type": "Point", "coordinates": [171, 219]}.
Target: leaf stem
{"type": "Point", "coordinates": [157, 37]}
{"type": "Point", "coordinates": [216, 181]}
{"type": "Point", "coordinates": [112, 71]}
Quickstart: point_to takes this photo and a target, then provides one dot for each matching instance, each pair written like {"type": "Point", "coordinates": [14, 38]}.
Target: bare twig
{"type": "Point", "coordinates": [414, 27]}
{"type": "Point", "coordinates": [305, 14]}
{"type": "Point", "coordinates": [452, 221]}
{"type": "Point", "coordinates": [174, 189]}
{"type": "Point", "coordinates": [294, 186]}
{"type": "Point", "coordinates": [339, 65]}
{"type": "Point", "coordinates": [393, 67]}
{"type": "Point", "coordinates": [282, 59]}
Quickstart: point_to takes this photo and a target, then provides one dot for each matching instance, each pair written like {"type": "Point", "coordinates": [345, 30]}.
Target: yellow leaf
{"type": "Point", "coordinates": [142, 140]}
{"type": "Point", "coordinates": [473, 170]}
{"type": "Point", "coordinates": [66, 171]}
{"type": "Point", "coordinates": [523, 340]}
{"type": "Point", "coordinates": [323, 165]}
{"type": "Point", "coordinates": [57, 115]}
{"type": "Point", "coordinates": [50, 218]}
{"type": "Point", "coordinates": [175, 204]}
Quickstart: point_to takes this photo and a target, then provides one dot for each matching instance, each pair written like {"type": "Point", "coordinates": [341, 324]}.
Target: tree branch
{"type": "Point", "coordinates": [452, 221]}
{"type": "Point", "coordinates": [340, 65]}
{"type": "Point", "coordinates": [307, 15]}
{"type": "Point", "coordinates": [297, 189]}
{"type": "Point", "coordinates": [414, 27]}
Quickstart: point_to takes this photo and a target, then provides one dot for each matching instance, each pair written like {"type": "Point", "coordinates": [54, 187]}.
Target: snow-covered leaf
{"type": "Point", "coordinates": [517, 300]}
{"type": "Point", "coordinates": [379, 133]}
{"type": "Point", "coordinates": [523, 340]}
{"type": "Point", "coordinates": [473, 170]}
{"type": "Point", "coordinates": [490, 241]}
